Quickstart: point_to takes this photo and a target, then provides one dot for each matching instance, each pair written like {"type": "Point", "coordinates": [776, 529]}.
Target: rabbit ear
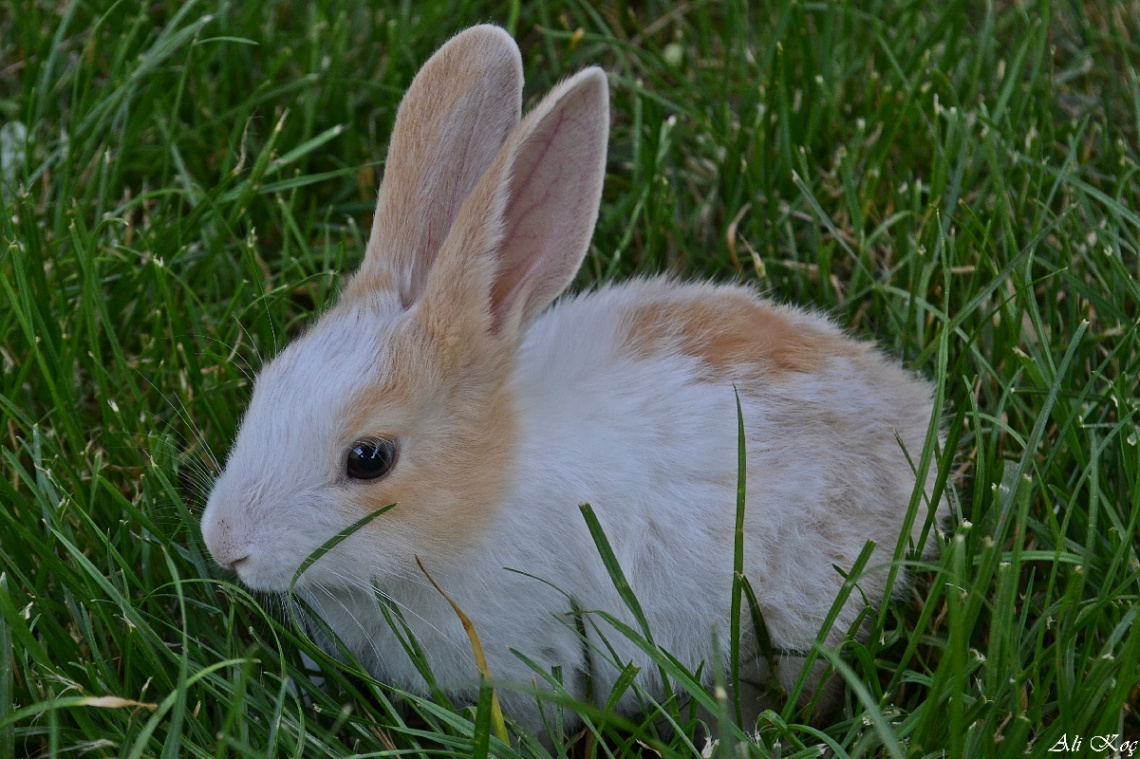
{"type": "Point", "coordinates": [459, 110]}
{"type": "Point", "coordinates": [523, 231]}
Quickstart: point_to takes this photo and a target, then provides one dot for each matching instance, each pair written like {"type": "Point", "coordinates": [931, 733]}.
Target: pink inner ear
{"type": "Point", "coordinates": [553, 193]}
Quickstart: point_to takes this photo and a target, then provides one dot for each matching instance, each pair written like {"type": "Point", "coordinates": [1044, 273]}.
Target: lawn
{"type": "Point", "coordinates": [185, 184]}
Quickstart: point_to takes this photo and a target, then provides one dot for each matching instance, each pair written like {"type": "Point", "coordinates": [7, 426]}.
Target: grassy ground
{"type": "Point", "coordinates": [182, 184]}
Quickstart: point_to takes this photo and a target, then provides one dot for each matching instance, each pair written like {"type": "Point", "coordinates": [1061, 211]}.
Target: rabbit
{"type": "Point", "coordinates": [449, 381]}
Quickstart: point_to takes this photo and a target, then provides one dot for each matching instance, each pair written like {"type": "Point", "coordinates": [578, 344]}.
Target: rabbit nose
{"type": "Point", "coordinates": [227, 552]}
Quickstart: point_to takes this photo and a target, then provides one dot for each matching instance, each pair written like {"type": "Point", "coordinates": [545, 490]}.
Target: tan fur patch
{"type": "Point", "coordinates": [732, 333]}
{"type": "Point", "coordinates": [456, 445]}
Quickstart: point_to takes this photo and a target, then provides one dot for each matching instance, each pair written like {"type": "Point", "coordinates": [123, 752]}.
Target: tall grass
{"type": "Point", "coordinates": [183, 184]}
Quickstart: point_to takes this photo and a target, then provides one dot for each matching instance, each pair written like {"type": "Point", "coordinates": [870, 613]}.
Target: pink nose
{"type": "Point", "coordinates": [227, 552]}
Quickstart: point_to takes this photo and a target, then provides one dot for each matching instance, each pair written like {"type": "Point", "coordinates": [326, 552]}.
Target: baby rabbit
{"type": "Point", "coordinates": [446, 383]}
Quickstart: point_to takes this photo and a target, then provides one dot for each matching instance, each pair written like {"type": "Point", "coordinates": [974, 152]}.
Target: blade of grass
{"type": "Point", "coordinates": [484, 717]}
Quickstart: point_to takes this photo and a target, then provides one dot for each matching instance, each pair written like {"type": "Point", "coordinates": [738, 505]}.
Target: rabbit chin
{"type": "Point", "coordinates": [264, 576]}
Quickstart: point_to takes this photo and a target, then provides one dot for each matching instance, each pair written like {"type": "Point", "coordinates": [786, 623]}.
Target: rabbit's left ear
{"type": "Point", "coordinates": [460, 109]}
{"type": "Point", "coordinates": [522, 233]}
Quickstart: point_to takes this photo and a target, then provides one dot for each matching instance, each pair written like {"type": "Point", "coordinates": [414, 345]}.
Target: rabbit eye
{"type": "Point", "coordinates": [370, 459]}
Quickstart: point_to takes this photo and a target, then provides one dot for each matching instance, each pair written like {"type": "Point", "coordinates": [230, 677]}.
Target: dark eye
{"type": "Point", "coordinates": [370, 459]}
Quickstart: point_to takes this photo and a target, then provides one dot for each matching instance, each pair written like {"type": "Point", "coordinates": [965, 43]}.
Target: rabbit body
{"type": "Point", "coordinates": [505, 415]}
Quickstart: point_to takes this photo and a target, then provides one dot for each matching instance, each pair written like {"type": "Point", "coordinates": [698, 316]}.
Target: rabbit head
{"type": "Point", "coordinates": [400, 394]}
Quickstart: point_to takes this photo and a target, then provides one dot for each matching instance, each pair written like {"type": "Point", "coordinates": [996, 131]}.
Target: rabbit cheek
{"type": "Point", "coordinates": [454, 416]}
{"type": "Point", "coordinates": [455, 463]}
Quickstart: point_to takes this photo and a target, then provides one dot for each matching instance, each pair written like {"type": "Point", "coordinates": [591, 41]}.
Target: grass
{"type": "Point", "coordinates": [183, 183]}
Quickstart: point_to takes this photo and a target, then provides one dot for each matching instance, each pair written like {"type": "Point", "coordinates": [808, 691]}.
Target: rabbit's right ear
{"type": "Point", "coordinates": [458, 112]}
